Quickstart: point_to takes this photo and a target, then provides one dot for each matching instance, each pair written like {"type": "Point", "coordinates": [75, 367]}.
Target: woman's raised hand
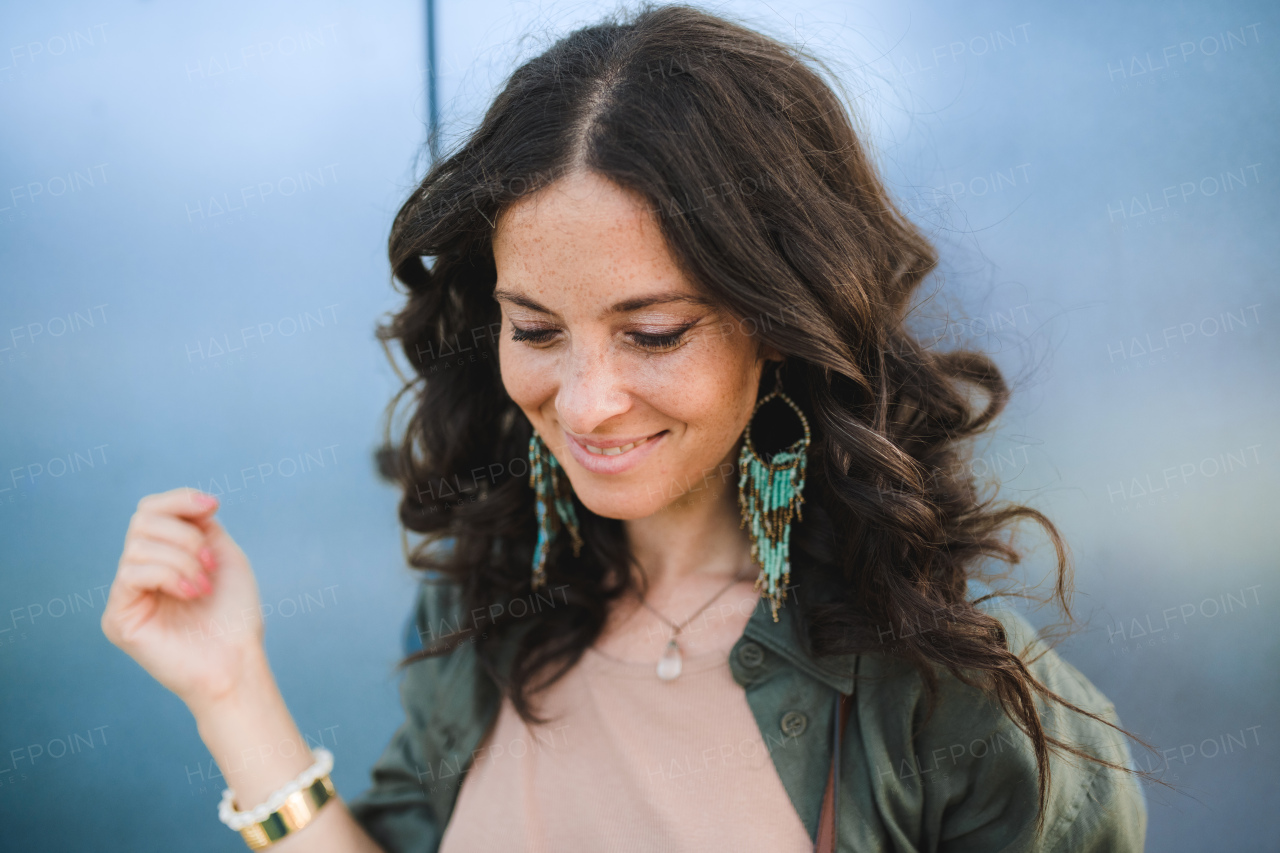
{"type": "Point", "coordinates": [184, 603]}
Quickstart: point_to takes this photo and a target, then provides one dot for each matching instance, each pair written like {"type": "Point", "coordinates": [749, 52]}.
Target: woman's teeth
{"type": "Point", "coordinates": [613, 451]}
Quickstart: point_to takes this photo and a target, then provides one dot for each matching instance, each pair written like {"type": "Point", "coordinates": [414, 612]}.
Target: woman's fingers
{"type": "Point", "coordinates": [167, 528]}
{"type": "Point", "coordinates": [132, 601]}
{"type": "Point", "coordinates": [140, 550]}
{"type": "Point", "coordinates": [221, 546]}
{"type": "Point", "coordinates": [215, 534]}
{"type": "Point", "coordinates": [185, 502]}
{"type": "Point", "coordinates": [177, 517]}
{"type": "Point", "coordinates": [157, 577]}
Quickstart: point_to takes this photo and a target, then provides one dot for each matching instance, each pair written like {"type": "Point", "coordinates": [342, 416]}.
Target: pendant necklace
{"type": "Point", "coordinates": [672, 662]}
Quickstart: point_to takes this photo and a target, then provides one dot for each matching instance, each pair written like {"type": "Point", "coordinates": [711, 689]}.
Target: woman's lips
{"type": "Point", "coordinates": [614, 459]}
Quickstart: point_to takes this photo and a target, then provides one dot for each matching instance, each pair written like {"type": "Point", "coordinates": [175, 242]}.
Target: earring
{"type": "Point", "coordinates": [770, 494]}
{"type": "Point", "coordinates": [549, 486]}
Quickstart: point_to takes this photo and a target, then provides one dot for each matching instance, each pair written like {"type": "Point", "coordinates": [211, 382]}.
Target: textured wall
{"type": "Point", "coordinates": [193, 220]}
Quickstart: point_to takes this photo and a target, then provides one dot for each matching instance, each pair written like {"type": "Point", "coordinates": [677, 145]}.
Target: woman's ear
{"type": "Point", "coordinates": [768, 353]}
{"type": "Point", "coordinates": [767, 361]}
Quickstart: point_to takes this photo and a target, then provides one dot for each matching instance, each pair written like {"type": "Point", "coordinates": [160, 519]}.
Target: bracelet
{"type": "Point", "coordinates": [287, 810]}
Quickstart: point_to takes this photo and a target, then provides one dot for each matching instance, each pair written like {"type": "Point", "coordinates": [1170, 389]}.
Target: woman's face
{"type": "Point", "coordinates": [606, 344]}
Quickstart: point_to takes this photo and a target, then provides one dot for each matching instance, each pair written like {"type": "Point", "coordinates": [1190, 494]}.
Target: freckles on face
{"type": "Point", "coordinates": [615, 344]}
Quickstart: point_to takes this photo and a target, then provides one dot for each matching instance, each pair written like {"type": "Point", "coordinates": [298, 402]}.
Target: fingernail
{"type": "Point", "coordinates": [187, 589]}
{"type": "Point", "coordinates": [206, 559]}
{"type": "Point", "coordinates": [205, 586]}
{"type": "Point", "coordinates": [206, 500]}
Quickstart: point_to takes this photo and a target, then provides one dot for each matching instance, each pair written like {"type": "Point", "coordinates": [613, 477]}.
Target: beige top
{"type": "Point", "coordinates": [627, 762]}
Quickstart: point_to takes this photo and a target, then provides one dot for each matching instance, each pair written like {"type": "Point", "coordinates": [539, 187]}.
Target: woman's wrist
{"type": "Point", "coordinates": [252, 736]}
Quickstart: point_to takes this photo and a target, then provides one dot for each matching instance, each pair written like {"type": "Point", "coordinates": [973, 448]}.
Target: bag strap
{"type": "Point", "coordinates": [827, 820]}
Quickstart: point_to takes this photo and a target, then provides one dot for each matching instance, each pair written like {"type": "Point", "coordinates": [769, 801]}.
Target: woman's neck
{"type": "Point", "coordinates": [697, 536]}
{"type": "Point", "coordinates": [687, 553]}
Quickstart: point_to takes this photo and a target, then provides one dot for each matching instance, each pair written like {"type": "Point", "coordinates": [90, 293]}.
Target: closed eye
{"type": "Point", "coordinates": [533, 336]}
{"type": "Point", "coordinates": [649, 342]}
{"type": "Point", "coordinates": [658, 343]}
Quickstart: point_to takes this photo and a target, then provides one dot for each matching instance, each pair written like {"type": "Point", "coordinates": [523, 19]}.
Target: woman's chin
{"type": "Point", "coordinates": [622, 508]}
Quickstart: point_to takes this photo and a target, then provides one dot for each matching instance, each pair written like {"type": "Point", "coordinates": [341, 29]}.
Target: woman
{"type": "Point", "coordinates": [665, 288]}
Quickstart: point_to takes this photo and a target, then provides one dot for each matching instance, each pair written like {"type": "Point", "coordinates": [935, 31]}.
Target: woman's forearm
{"type": "Point", "coordinates": [258, 747]}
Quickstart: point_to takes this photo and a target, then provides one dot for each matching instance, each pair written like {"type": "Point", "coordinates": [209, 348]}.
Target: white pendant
{"type": "Point", "coordinates": [670, 664]}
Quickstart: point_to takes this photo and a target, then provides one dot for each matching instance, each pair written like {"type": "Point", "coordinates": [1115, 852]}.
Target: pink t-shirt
{"type": "Point", "coordinates": [628, 762]}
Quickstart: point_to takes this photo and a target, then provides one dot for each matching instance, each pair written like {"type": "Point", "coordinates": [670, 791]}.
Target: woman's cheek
{"type": "Point", "coordinates": [520, 375]}
{"type": "Point", "coordinates": [696, 385]}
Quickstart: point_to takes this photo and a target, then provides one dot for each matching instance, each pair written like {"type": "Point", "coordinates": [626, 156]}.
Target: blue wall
{"type": "Point", "coordinates": [1101, 182]}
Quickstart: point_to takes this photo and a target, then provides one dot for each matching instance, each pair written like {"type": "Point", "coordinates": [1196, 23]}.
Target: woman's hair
{"type": "Point", "coordinates": [770, 204]}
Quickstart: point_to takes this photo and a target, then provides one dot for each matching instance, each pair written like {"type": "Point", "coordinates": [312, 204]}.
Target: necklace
{"type": "Point", "coordinates": [672, 662]}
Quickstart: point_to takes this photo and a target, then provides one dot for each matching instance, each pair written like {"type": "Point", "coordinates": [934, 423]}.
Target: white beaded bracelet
{"type": "Point", "coordinates": [238, 820]}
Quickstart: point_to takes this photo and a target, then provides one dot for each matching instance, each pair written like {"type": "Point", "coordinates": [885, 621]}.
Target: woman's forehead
{"type": "Point", "coordinates": [580, 203]}
{"type": "Point", "coordinates": [589, 236]}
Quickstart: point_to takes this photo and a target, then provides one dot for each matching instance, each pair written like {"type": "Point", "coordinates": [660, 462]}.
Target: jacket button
{"type": "Point", "coordinates": [751, 655]}
{"type": "Point", "coordinates": [794, 723]}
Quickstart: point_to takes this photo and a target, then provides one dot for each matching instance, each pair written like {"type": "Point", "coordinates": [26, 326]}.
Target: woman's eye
{"type": "Point", "coordinates": [533, 336]}
{"type": "Point", "coordinates": [650, 342]}
{"type": "Point", "coordinates": [658, 343]}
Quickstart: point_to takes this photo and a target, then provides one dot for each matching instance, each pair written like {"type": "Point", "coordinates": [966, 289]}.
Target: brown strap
{"type": "Point", "coordinates": [827, 819]}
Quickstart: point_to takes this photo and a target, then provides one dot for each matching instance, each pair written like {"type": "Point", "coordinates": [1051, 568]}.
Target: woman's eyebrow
{"type": "Point", "coordinates": [624, 307]}
{"type": "Point", "coordinates": [629, 305]}
{"type": "Point", "coordinates": [521, 300]}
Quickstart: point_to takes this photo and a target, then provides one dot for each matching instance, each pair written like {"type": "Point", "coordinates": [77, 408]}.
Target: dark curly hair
{"type": "Point", "coordinates": [770, 204]}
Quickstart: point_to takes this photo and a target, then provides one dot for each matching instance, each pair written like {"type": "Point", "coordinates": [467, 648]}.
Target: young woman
{"type": "Point", "coordinates": [699, 536]}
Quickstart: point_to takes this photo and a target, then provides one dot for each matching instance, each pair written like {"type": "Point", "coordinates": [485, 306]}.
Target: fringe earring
{"type": "Point", "coordinates": [770, 494]}
{"type": "Point", "coordinates": [549, 487]}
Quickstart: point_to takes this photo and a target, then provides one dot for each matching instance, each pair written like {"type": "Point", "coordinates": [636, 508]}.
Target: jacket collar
{"type": "Point", "coordinates": [784, 637]}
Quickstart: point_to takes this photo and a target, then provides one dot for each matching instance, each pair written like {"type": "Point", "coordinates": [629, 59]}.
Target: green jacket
{"type": "Point", "coordinates": [965, 781]}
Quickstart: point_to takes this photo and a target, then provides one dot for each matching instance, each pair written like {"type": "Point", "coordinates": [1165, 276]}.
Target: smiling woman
{"type": "Point", "coordinates": [610, 352]}
{"type": "Point", "coordinates": [789, 648]}
{"type": "Point", "coordinates": [600, 218]}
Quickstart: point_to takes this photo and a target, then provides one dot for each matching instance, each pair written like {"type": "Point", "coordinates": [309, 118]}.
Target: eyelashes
{"type": "Point", "coordinates": [648, 342]}
{"type": "Point", "coordinates": [536, 336]}
{"type": "Point", "coordinates": [658, 343]}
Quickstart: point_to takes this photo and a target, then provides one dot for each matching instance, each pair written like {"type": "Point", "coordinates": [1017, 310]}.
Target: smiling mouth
{"type": "Point", "coordinates": [618, 451]}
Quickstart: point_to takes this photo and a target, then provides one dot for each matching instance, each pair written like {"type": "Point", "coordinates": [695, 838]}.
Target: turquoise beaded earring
{"type": "Point", "coordinates": [770, 494]}
{"type": "Point", "coordinates": [549, 486]}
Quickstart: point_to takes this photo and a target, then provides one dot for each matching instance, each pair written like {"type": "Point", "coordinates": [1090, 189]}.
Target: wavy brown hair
{"type": "Point", "coordinates": [771, 205]}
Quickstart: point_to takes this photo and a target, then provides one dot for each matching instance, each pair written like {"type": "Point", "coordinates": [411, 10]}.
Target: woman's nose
{"type": "Point", "coordinates": [592, 389]}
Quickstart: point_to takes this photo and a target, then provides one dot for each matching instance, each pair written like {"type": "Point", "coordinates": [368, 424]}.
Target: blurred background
{"type": "Point", "coordinates": [193, 219]}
